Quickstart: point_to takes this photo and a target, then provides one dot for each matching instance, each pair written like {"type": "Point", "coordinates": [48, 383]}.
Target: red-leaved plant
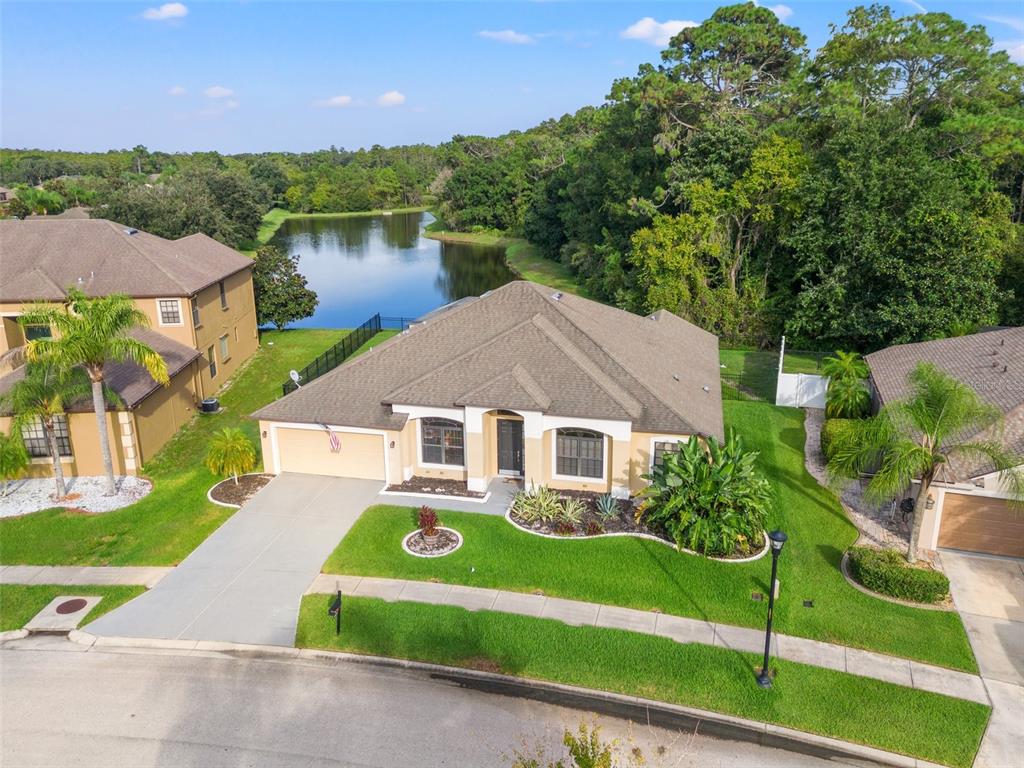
{"type": "Point", "coordinates": [428, 521]}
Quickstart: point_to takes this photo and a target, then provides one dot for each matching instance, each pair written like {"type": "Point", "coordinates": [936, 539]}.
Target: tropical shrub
{"type": "Point", "coordinates": [847, 395]}
{"type": "Point", "coordinates": [593, 528]}
{"type": "Point", "coordinates": [708, 497]}
{"type": "Point", "coordinates": [540, 504]}
{"type": "Point", "coordinates": [230, 453]}
{"type": "Point", "coordinates": [607, 506]}
{"type": "Point", "coordinates": [13, 458]}
{"type": "Point", "coordinates": [830, 431]}
{"type": "Point", "coordinates": [573, 510]}
{"type": "Point", "coordinates": [428, 521]}
{"type": "Point", "coordinates": [886, 571]}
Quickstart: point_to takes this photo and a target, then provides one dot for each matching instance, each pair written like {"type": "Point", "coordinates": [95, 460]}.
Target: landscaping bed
{"type": "Point", "coordinates": [445, 542]}
{"type": "Point", "coordinates": [888, 573]}
{"type": "Point", "coordinates": [236, 494]}
{"type": "Point", "coordinates": [84, 494]}
{"type": "Point", "coordinates": [435, 486]}
{"type": "Point", "coordinates": [592, 522]}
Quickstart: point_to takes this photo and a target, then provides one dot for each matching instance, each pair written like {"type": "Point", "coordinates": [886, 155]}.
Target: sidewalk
{"type": "Point", "coordinates": [72, 575]}
{"type": "Point", "coordinates": [911, 674]}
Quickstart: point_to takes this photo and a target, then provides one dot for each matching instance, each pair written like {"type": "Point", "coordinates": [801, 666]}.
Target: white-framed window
{"type": "Point", "coordinates": [223, 295]}
{"type": "Point", "coordinates": [224, 354]}
{"type": "Point", "coordinates": [33, 332]}
{"type": "Point", "coordinates": [662, 444]}
{"type": "Point", "coordinates": [169, 311]}
{"type": "Point", "coordinates": [442, 442]}
{"type": "Point", "coordinates": [33, 435]}
{"type": "Point", "coordinates": [579, 453]}
{"type": "Point", "coordinates": [196, 322]}
{"type": "Point", "coordinates": [212, 360]}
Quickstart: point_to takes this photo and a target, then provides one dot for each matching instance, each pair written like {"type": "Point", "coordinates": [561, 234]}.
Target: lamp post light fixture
{"type": "Point", "coordinates": [777, 540]}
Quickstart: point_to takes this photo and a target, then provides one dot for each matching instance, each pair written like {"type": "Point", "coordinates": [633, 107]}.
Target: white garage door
{"type": "Point", "coordinates": [309, 451]}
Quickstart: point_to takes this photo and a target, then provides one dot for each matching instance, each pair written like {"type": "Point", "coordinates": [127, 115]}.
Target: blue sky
{"type": "Point", "coordinates": [256, 76]}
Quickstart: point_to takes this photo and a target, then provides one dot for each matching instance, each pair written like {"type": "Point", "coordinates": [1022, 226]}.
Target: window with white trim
{"type": "Point", "coordinates": [33, 435]}
{"type": "Point", "coordinates": [224, 354]}
{"type": "Point", "coordinates": [195, 313]}
{"type": "Point", "coordinates": [170, 311]}
{"type": "Point", "coordinates": [661, 448]}
{"type": "Point", "coordinates": [223, 295]}
{"type": "Point", "coordinates": [442, 442]}
{"type": "Point", "coordinates": [213, 362]}
{"type": "Point", "coordinates": [579, 453]}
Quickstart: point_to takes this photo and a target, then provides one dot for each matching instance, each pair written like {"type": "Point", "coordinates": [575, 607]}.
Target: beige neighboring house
{"type": "Point", "coordinates": [196, 292]}
{"type": "Point", "coordinates": [970, 507]}
{"type": "Point", "coordinates": [523, 381]}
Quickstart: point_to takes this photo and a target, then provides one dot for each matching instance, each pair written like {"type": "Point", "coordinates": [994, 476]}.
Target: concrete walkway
{"type": "Point", "coordinates": [911, 674]}
{"type": "Point", "coordinates": [74, 575]}
{"type": "Point", "coordinates": [244, 583]}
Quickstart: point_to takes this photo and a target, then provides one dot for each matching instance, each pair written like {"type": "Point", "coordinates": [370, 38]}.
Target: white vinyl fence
{"type": "Point", "coordinates": [799, 390]}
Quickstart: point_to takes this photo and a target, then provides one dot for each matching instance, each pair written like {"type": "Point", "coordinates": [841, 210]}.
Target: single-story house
{"type": "Point", "coordinates": [147, 417]}
{"type": "Point", "coordinates": [971, 507]}
{"type": "Point", "coordinates": [523, 381]}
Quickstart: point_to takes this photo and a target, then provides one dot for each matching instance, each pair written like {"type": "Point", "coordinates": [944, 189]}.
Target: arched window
{"type": "Point", "coordinates": [579, 453]}
{"type": "Point", "coordinates": [441, 442]}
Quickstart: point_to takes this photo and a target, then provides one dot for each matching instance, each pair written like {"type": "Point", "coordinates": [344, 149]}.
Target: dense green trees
{"type": "Point", "coordinates": [281, 293]}
{"type": "Point", "coordinates": [865, 195]}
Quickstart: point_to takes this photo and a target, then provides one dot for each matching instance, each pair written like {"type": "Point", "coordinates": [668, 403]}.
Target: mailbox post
{"type": "Point", "coordinates": [335, 611]}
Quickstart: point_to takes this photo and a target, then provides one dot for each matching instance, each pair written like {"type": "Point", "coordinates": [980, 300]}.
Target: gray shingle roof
{"type": "Point", "coordinates": [991, 363]}
{"type": "Point", "coordinates": [129, 380]}
{"type": "Point", "coordinates": [42, 258]}
{"type": "Point", "coordinates": [519, 346]}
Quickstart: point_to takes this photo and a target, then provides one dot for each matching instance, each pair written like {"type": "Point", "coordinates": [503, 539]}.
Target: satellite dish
{"type": "Point", "coordinates": [294, 377]}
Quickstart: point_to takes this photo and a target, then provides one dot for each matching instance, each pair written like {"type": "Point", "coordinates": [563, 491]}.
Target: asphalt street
{"type": "Point", "coordinates": [63, 706]}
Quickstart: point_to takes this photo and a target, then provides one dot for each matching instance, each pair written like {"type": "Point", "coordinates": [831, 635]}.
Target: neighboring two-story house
{"type": "Point", "coordinates": [196, 292]}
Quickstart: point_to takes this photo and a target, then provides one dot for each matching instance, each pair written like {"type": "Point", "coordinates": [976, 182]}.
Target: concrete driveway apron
{"type": "Point", "coordinates": [244, 583]}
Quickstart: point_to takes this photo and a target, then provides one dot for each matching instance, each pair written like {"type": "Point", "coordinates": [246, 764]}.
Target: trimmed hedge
{"type": "Point", "coordinates": [829, 432]}
{"type": "Point", "coordinates": [887, 572]}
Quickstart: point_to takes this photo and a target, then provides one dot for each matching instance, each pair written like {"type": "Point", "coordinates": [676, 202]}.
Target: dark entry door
{"type": "Point", "coordinates": [510, 447]}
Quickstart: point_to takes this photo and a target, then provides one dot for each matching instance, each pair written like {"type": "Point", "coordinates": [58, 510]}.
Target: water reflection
{"type": "Point", "coordinates": [366, 264]}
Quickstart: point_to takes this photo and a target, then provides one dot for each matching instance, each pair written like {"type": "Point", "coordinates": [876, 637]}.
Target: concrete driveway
{"type": "Point", "coordinates": [244, 583]}
{"type": "Point", "coordinates": [989, 594]}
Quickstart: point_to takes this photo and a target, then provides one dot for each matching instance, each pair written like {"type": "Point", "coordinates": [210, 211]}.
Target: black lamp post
{"type": "Point", "coordinates": [777, 539]}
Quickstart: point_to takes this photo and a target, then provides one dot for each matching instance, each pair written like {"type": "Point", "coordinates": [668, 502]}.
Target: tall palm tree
{"type": "Point", "coordinates": [44, 394]}
{"type": "Point", "coordinates": [912, 439]}
{"type": "Point", "coordinates": [847, 395]}
{"type": "Point", "coordinates": [89, 333]}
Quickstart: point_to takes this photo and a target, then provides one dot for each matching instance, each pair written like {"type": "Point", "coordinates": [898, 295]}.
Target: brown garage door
{"type": "Point", "coordinates": [981, 524]}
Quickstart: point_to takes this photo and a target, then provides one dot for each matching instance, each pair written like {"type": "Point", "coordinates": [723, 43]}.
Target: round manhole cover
{"type": "Point", "coordinates": [71, 606]}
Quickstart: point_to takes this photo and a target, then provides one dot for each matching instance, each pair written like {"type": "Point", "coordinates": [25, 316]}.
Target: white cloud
{"type": "Point", "coordinates": [1013, 22]}
{"type": "Point", "coordinates": [334, 101]}
{"type": "Point", "coordinates": [218, 92]}
{"type": "Point", "coordinates": [655, 32]}
{"type": "Point", "coordinates": [916, 6]}
{"type": "Point", "coordinates": [391, 99]}
{"type": "Point", "coordinates": [1014, 48]}
{"type": "Point", "coordinates": [783, 12]}
{"type": "Point", "coordinates": [507, 36]}
{"type": "Point", "coordinates": [177, 90]}
{"type": "Point", "coordinates": [165, 12]}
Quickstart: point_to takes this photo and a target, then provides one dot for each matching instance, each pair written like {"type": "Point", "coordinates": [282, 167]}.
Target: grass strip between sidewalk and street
{"type": "Point", "coordinates": [843, 706]}
{"type": "Point", "coordinates": [20, 602]}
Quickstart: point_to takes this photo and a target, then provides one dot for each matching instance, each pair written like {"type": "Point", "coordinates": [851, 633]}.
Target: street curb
{"type": "Point", "coordinates": [635, 708]}
{"type": "Point", "coordinates": [13, 634]}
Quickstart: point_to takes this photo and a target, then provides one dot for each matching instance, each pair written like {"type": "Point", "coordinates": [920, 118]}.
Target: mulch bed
{"type": "Point", "coordinates": [227, 492]}
{"type": "Point", "coordinates": [446, 542]}
{"type": "Point", "coordinates": [437, 486]}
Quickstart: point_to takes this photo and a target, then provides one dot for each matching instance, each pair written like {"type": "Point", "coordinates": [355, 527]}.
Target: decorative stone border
{"type": "Point", "coordinates": [845, 569]}
{"type": "Point", "coordinates": [439, 496]}
{"type": "Point", "coordinates": [651, 537]}
{"type": "Point", "coordinates": [405, 543]}
{"type": "Point", "coordinates": [209, 493]}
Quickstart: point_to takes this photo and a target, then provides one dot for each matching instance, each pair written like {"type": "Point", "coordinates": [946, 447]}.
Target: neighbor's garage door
{"type": "Point", "coordinates": [980, 524]}
{"type": "Point", "coordinates": [309, 451]}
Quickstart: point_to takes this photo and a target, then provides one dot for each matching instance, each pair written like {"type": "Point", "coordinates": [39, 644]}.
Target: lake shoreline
{"type": "Point", "coordinates": [275, 217]}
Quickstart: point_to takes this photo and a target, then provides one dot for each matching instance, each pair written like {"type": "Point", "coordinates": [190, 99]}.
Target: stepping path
{"type": "Point", "coordinates": [73, 575]}
{"type": "Point", "coordinates": [891, 669]}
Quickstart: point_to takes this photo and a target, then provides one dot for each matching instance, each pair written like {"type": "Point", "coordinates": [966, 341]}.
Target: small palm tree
{"type": "Point", "coordinates": [13, 458]}
{"type": "Point", "coordinates": [91, 332]}
{"type": "Point", "coordinates": [912, 439]}
{"type": "Point", "coordinates": [847, 396]}
{"type": "Point", "coordinates": [230, 453]}
{"type": "Point", "coordinates": [44, 394]}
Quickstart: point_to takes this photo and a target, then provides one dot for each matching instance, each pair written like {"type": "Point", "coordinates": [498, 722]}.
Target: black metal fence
{"type": "Point", "coordinates": [336, 355]}
{"type": "Point", "coordinates": [401, 323]}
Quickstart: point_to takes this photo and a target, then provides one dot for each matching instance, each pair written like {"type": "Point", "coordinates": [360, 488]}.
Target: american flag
{"type": "Point", "coordinates": [335, 442]}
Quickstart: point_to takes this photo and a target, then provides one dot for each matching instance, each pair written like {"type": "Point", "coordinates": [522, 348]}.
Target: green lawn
{"type": "Point", "coordinates": [859, 709]}
{"type": "Point", "coordinates": [20, 602]}
{"type": "Point", "coordinates": [649, 576]}
{"type": "Point", "coordinates": [170, 522]}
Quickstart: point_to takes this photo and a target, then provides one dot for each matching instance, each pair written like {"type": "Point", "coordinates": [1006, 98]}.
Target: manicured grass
{"type": "Point", "coordinates": [891, 717]}
{"type": "Point", "coordinates": [521, 257]}
{"type": "Point", "coordinates": [647, 575]}
{"type": "Point", "coordinates": [750, 372]}
{"type": "Point", "coordinates": [176, 517]}
{"type": "Point", "coordinates": [275, 217]}
{"type": "Point", "coordinates": [20, 602]}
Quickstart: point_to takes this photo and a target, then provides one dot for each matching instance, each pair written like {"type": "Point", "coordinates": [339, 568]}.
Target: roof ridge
{"type": "Point", "coordinates": [144, 255]}
{"type": "Point", "coordinates": [533, 389]}
{"type": "Point", "coordinates": [629, 404]}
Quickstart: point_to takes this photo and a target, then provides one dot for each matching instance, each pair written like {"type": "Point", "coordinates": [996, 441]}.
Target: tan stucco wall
{"type": "Point", "coordinates": [238, 321]}
{"type": "Point", "coordinates": [640, 460]}
{"type": "Point", "coordinates": [85, 447]}
{"type": "Point", "coordinates": [309, 451]}
{"type": "Point", "coordinates": [164, 412]}
{"type": "Point", "coordinates": [547, 452]}
{"type": "Point", "coordinates": [181, 333]}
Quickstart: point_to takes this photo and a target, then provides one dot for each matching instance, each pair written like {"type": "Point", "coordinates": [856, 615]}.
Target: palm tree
{"type": "Point", "coordinates": [847, 395]}
{"type": "Point", "coordinates": [230, 453]}
{"type": "Point", "coordinates": [43, 394]}
{"type": "Point", "coordinates": [912, 439]}
{"type": "Point", "coordinates": [91, 332]}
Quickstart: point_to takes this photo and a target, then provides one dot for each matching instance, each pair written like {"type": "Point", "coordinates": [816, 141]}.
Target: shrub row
{"type": "Point", "coordinates": [830, 430]}
{"type": "Point", "coordinates": [887, 572]}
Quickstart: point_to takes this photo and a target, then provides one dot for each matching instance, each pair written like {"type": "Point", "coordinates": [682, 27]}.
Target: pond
{"type": "Point", "coordinates": [362, 265]}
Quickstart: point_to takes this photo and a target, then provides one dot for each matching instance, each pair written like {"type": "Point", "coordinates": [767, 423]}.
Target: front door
{"type": "Point", "coordinates": [510, 447]}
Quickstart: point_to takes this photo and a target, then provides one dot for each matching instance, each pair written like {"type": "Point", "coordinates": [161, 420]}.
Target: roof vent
{"type": "Point", "coordinates": [675, 376]}
{"type": "Point", "coordinates": [706, 388]}
{"type": "Point", "coordinates": [131, 231]}
{"type": "Point", "coordinates": [557, 296]}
